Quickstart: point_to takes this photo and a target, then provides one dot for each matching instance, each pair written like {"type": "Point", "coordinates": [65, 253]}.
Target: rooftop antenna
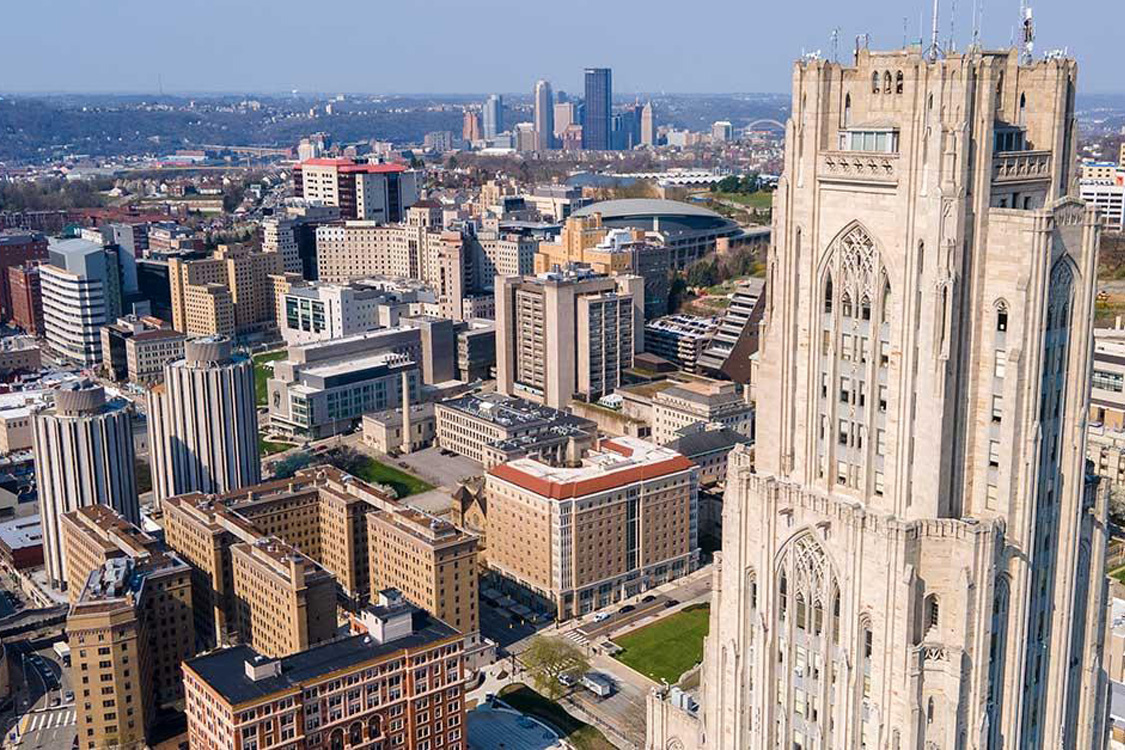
{"type": "Point", "coordinates": [836, 44]}
{"type": "Point", "coordinates": [952, 27]}
{"type": "Point", "coordinates": [904, 32]}
{"type": "Point", "coordinates": [1028, 35]}
{"type": "Point", "coordinates": [978, 17]}
{"type": "Point", "coordinates": [934, 51]}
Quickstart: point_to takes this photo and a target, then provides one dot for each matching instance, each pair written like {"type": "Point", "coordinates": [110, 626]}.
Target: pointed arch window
{"type": "Point", "coordinates": [932, 613]}
{"type": "Point", "coordinates": [847, 110]}
{"type": "Point", "coordinates": [1001, 316]}
{"type": "Point", "coordinates": [828, 294]}
{"type": "Point", "coordinates": [899, 81]}
{"type": "Point", "coordinates": [875, 82]}
{"type": "Point", "coordinates": [1023, 110]}
{"type": "Point", "coordinates": [887, 82]}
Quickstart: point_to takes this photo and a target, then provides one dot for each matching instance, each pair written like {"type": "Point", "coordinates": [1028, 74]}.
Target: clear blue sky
{"type": "Point", "coordinates": [473, 46]}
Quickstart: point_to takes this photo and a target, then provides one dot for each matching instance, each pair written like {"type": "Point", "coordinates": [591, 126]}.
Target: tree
{"type": "Point", "coordinates": [547, 659]}
{"type": "Point", "coordinates": [291, 464]}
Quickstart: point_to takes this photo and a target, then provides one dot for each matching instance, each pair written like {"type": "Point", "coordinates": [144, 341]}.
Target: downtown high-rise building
{"type": "Point", "coordinates": [599, 108]}
{"type": "Point", "coordinates": [492, 116]}
{"type": "Point", "coordinates": [648, 125]}
{"type": "Point", "coordinates": [914, 553]}
{"type": "Point", "coordinates": [544, 116]}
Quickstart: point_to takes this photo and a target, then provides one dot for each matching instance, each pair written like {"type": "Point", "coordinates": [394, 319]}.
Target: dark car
{"type": "Point", "coordinates": [671, 602]}
{"type": "Point", "coordinates": [648, 599]}
{"type": "Point", "coordinates": [626, 609]}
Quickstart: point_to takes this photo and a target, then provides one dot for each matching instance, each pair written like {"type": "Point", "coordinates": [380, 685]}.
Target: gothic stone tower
{"type": "Point", "coordinates": [917, 560]}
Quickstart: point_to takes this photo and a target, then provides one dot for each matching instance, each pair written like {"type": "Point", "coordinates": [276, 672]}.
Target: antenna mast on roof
{"type": "Point", "coordinates": [836, 44]}
{"type": "Point", "coordinates": [934, 51]}
{"type": "Point", "coordinates": [1027, 55]}
{"type": "Point", "coordinates": [978, 17]}
{"type": "Point", "coordinates": [952, 28]}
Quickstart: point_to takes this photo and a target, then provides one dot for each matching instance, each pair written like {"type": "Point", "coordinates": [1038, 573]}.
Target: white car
{"type": "Point", "coordinates": [601, 616]}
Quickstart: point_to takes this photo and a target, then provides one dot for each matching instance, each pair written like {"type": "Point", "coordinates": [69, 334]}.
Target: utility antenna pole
{"type": "Point", "coordinates": [1028, 37]}
{"type": "Point", "coordinates": [952, 27]}
{"type": "Point", "coordinates": [836, 44]}
{"type": "Point", "coordinates": [978, 18]}
{"type": "Point", "coordinates": [934, 52]}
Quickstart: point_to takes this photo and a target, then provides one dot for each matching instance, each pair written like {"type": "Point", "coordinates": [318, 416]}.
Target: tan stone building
{"type": "Point", "coordinates": [147, 352]}
{"type": "Point", "coordinates": [129, 631]}
{"type": "Point", "coordinates": [356, 249]}
{"type": "Point", "coordinates": [95, 534]}
{"type": "Point", "coordinates": [431, 561]}
{"type": "Point", "coordinates": [19, 354]}
{"type": "Point", "coordinates": [285, 602]}
{"type": "Point", "coordinates": [573, 539]}
{"type": "Point", "coordinates": [915, 555]}
{"type": "Point", "coordinates": [320, 513]}
{"type": "Point", "coordinates": [233, 292]}
{"type": "Point", "coordinates": [566, 334]}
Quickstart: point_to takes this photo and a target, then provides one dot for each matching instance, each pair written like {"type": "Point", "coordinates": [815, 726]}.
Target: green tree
{"type": "Point", "coordinates": [547, 659]}
{"type": "Point", "coordinates": [729, 184]}
{"type": "Point", "coordinates": [452, 163]}
{"type": "Point", "coordinates": [291, 464]}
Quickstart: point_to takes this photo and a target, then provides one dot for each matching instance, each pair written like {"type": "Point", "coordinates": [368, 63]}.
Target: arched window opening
{"type": "Point", "coordinates": [887, 82]}
{"type": "Point", "coordinates": [930, 711]}
{"type": "Point", "coordinates": [1000, 92]}
{"type": "Point", "coordinates": [886, 308]}
{"type": "Point", "coordinates": [875, 82]}
{"type": "Point", "coordinates": [783, 594]}
{"type": "Point", "coordinates": [847, 110]}
{"type": "Point", "coordinates": [865, 308]}
{"type": "Point", "coordinates": [846, 305]}
{"type": "Point", "coordinates": [828, 294]}
{"type": "Point", "coordinates": [802, 611]}
{"type": "Point", "coordinates": [932, 613]}
{"type": "Point", "coordinates": [1001, 317]}
{"type": "Point", "coordinates": [898, 82]}
{"type": "Point", "coordinates": [1023, 109]}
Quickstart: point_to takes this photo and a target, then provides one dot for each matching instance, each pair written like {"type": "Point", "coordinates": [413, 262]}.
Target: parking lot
{"type": "Point", "coordinates": [437, 468]}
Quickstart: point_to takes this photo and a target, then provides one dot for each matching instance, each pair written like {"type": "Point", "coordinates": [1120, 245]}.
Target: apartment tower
{"type": "Point", "coordinates": [915, 556]}
{"type": "Point", "coordinates": [202, 424]}
{"type": "Point", "coordinates": [83, 456]}
{"type": "Point", "coordinates": [599, 109]}
{"type": "Point", "coordinates": [544, 116]}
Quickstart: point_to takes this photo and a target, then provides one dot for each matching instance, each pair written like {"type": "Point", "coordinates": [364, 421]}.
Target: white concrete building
{"type": "Point", "coordinates": [81, 289]}
{"type": "Point", "coordinates": [83, 456]}
{"type": "Point", "coordinates": [202, 423]}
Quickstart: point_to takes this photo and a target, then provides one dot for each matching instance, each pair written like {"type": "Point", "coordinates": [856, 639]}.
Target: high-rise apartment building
{"type": "Point", "coordinates": [234, 292]}
{"type": "Point", "coordinates": [399, 683]}
{"type": "Point", "coordinates": [566, 333]}
{"type": "Point", "coordinates": [722, 131]}
{"type": "Point", "coordinates": [544, 116]}
{"type": "Point", "coordinates": [470, 127]}
{"type": "Point", "coordinates": [492, 116]}
{"type": "Point", "coordinates": [914, 556]}
{"type": "Point", "coordinates": [429, 560]}
{"type": "Point", "coordinates": [599, 109]}
{"type": "Point", "coordinates": [577, 538]}
{"type": "Point", "coordinates": [366, 191]}
{"type": "Point", "coordinates": [27, 297]}
{"type": "Point", "coordinates": [83, 456]}
{"type": "Point", "coordinates": [81, 292]}
{"type": "Point", "coordinates": [565, 114]}
{"type": "Point", "coordinates": [648, 125]}
{"type": "Point", "coordinates": [203, 423]}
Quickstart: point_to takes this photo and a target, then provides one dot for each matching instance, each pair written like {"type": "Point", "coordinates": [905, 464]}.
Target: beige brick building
{"type": "Point", "coordinates": [575, 539]}
{"type": "Point", "coordinates": [129, 631]}
{"type": "Point", "coordinates": [320, 513]}
{"type": "Point", "coordinates": [95, 534]}
{"type": "Point", "coordinates": [432, 562]}
{"type": "Point", "coordinates": [915, 555]}
{"type": "Point", "coordinates": [233, 292]}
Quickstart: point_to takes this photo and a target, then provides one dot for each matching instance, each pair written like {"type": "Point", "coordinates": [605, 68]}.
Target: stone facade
{"type": "Point", "coordinates": [915, 559]}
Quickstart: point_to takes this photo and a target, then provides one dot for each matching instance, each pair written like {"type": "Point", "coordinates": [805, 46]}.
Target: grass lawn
{"type": "Point", "coordinates": [270, 447]}
{"type": "Point", "coordinates": [762, 199]}
{"type": "Point", "coordinates": [669, 647]}
{"type": "Point", "coordinates": [579, 734]}
{"type": "Point", "coordinates": [262, 373]}
{"type": "Point", "coordinates": [379, 473]}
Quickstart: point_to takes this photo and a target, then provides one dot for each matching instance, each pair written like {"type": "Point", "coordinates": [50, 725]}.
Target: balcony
{"type": "Point", "coordinates": [867, 167]}
{"type": "Point", "coordinates": [1010, 167]}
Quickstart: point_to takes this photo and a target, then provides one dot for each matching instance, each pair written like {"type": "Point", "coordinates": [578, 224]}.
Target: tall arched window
{"type": "Point", "coordinates": [887, 82]}
{"type": "Point", "coordinates": [875, 82]}
{"type": "Point", "coordinates": [847, 110]}
{"type": "Point", "coordinates": [898, 82]}
{"type": "Point", "coordinates": [828, 294]}
{"type": "Point", "coordinates": [932, 614]}
{"type": "Point", "coordinates": [1023, 109]}
{"type": "Point", "coordinates": [1001, 316]}
{"type": "Point", "coordinates": [1000, 91]}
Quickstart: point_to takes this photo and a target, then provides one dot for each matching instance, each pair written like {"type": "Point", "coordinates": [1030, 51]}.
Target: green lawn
{"type": "Point", "coordinates": [270, 447]}
{"type": "Point", "coordinates": [669, 647]}
{"type": "Point", "coordinates": [762, 199]}
{"type": "Point", "coordinates": [404, 484]}
{"type": "Point", "coordinates": [262, 372]}
{"type": "Point", "coordinates": [579, 734]}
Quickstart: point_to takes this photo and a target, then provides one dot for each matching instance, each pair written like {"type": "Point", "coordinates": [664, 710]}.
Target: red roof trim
{"type": "Point", "coordinates": [347, 165]}
{"type": "Point", "coordinates": [608, 481]}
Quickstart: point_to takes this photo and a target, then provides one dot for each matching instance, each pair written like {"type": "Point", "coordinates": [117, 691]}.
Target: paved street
{"type": "Point", "coordinates": [41, 686]}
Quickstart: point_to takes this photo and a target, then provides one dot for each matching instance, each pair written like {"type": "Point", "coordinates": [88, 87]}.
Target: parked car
{"type": "Point", "coordinates": [566, 680]}
{"type": "Point", "coordinates": [649, 598]}
{"type": "Point", "coordinates": [626, 609]}
{"type": "Point", "coordinates": [601, 616]}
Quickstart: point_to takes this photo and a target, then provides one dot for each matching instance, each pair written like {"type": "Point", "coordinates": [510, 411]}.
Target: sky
{"type": "Point", "coordinates": [479, 46]}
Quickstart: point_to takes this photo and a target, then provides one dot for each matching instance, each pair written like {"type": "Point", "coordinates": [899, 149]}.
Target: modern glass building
{"type": "Point", "coordinates": [599, 106]}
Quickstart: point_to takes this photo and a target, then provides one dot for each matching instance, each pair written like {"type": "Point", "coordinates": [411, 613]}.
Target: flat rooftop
{"type": "Point", "coordinates": [507, 411]}
{"type": "Point", "coordinates": [617, 462]}
{"type": "Point", "coordinates": [225, 671]}
{"type": "Point", "coordinates": [21, 533]}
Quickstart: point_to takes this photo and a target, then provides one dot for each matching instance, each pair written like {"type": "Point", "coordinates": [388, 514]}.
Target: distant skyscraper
{"type": "Point", "coordinates": [202, 424]}
{"type": "Point", "coordinates": [648, 126]}
{"type": "Point", "coordinates": [470, 126]}
{"type": "Point", "coordinates": [599, 105]}
{"type": "Point", "coordinates": [722, 132]}
{"type": "Point", "coordinates": [544, 116]}
{"type": "Point", "coordinates": [493, 116]}
{"type": "Point", "coordinates": [83, 456]}
{"type": "Point", "coordinates": [565, 114]}
{"type": "Point", "coordinates": [626, 128]}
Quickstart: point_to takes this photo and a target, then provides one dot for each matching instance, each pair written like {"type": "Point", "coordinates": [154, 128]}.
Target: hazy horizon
{"type": "Point", "coordinates": [439, 48]}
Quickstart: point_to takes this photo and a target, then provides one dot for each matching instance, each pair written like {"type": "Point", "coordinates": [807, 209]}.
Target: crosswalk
{"type": "Point", "coordinates": [577, 637]}
{"type": "Point", "coordinates": [63, 717]}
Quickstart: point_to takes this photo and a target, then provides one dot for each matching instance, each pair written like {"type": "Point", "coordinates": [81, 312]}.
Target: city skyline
{"type": "Point", "coordinates": [225, 59]}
